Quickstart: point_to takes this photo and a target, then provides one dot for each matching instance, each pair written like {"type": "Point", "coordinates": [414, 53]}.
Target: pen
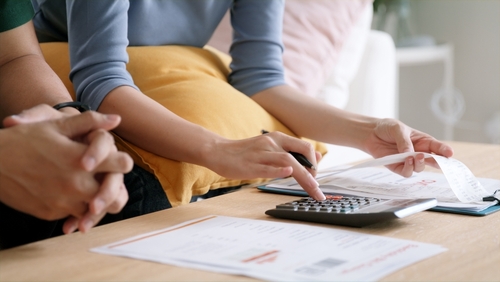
{"type": "Point", "coordinates": [299, 157]}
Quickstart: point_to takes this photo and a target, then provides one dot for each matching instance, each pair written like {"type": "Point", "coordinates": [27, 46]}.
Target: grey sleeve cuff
{"type": "Point", "coordinates": [92, 84]}
{"type": "Point", "coordinates": [256, 67]}
{"type": "Point", "coordinates": [257, 47]}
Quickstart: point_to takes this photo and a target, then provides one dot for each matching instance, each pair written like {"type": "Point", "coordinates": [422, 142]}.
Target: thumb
{"type": "Point", "coordinates": [78, 125]}
{"type": "Point", "coordinates": [403, 139]}
{"type": "Point", "coordinates": [404, 145]}
{"type": "Point", "coordinates": [36, 114]}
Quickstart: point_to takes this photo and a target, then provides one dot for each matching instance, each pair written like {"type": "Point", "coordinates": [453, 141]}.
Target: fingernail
{"type": "Point", "coordinates": [88, 163]}
{"type": "Point", "coordinates": [73, 228]}
{"type": "Point", "coordinates": [87, 224]}
{"type": "Point", "coordinates": [421, 160]}
{"type": "Point", "coordinates": [98, 206]}
{"type": "Point", "coordinates": [112, 117]}
{"type": "Point", "coordinates": [317, 194]}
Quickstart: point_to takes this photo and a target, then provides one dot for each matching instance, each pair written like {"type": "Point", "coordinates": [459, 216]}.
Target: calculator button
{"type": "Point", "coordinates": [287, 206]}
{"type": "Point", "coordinates": [315, 208]}
{"type": "Point", "coordinates": [326, 209]}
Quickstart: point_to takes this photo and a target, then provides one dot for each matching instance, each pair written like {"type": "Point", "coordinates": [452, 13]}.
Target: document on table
{"type": "Point", "coordinates": [274, 250]}
{"type": "Point", "coordinates": [456, 187]}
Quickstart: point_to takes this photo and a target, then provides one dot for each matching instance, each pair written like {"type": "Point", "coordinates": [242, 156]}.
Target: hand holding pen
{"type": "Point", "coordinates": [312, 187]}
{"type": "Point", "coordinates": [264, 156]}
{"type": "Point", "coordinates": [299, 157]}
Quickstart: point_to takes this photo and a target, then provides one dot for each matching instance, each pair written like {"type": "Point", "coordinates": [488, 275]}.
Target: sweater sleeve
{"type": "Point", "coordinates": [97, 32]}
{"type": "Point", "coordinates": [14, 13]}
{"type": "Point", "coordinates": [257, 47]}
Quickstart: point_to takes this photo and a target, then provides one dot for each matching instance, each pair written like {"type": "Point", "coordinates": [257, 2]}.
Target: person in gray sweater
{"type": "Point", "coordinates": [99, 32]}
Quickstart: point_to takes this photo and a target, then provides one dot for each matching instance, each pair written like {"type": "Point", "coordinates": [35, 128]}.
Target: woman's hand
{"type": "Point", "coordinates": [391, 136]}
{"type": "Point", "coordinates": [266, 156]}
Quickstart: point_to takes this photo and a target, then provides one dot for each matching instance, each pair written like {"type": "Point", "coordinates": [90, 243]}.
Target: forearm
{"type": "Point", "coordinates": [150, 126]}
{"type": "Point", "coordinates": [26, 79]}
{"type": "Point", "coordinates": [29, 81]}
{"type": "Point", "coordinates": [311, 118]}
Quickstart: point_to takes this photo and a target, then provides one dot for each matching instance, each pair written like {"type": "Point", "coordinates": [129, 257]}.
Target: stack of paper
{"type": "Point", "coordinates": [382, 183]}
{"type": "Point", "coordinates": [456, 188]}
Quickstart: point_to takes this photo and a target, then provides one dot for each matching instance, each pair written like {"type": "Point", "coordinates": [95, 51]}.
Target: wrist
{"type": "Point", "coordinates": [69, 111]}
{"type": "Point", "coordinates": [208, 152]}
{"type": "Point", "coordinates": [358, 130]}
{"type": "Point", "coordinates": [71, 106]}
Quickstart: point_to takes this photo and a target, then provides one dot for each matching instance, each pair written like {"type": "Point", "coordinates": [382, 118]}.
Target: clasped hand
{"type": "Point", "coordinates": [63, 166]}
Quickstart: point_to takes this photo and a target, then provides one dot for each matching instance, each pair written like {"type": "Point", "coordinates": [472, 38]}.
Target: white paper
{"type": "Point", "coordinates": [456, 187]}
{"type": "Point", "coordinates": [382, 183]}
{"type": "Point", "coordinates": [461, 180]}
{"type": "Point", "coordinates": [274, 250]}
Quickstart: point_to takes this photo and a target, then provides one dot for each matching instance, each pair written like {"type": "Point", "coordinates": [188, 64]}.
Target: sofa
{"type": "Point", "coordinates": [332, 53]}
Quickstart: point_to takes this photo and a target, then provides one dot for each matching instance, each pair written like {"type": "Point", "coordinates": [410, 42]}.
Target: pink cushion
{"type": "Point", "coordinates": [313, 34]}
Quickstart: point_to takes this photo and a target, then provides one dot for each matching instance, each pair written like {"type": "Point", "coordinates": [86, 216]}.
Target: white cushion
{"type": "Point", "coordinates": [335, 90]}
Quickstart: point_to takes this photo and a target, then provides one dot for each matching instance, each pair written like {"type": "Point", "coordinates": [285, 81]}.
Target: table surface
{"type": "Point", "coordinates": [473, 242]}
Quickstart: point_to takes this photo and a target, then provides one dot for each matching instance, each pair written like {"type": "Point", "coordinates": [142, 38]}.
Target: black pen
{"type": "Point", "coordinates": [299, 157]}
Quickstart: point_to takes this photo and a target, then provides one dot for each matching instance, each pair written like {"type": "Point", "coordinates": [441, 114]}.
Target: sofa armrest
{"type": "Point", "coordinates": [373, 90]}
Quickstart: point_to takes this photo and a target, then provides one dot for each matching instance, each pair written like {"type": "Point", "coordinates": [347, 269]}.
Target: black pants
{"type": "Point", "coordinates": [145, 195]}
{"type": "Point", "coordinates": [18, 228]}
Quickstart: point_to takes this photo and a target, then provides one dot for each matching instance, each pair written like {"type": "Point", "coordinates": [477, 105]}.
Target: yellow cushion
{"type": "Point", "coordinates": [190, 82]}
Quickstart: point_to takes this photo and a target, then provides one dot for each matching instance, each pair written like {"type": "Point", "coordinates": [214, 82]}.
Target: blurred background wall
{"type": "Point", "coordinates": [472, 27]}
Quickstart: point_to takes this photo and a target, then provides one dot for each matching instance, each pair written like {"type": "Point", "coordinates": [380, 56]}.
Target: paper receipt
{"type": "Point", "coordinates": [463, 183]}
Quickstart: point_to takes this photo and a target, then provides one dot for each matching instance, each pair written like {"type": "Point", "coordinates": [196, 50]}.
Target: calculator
{"type": "Point", "coordinates": [349, 210]}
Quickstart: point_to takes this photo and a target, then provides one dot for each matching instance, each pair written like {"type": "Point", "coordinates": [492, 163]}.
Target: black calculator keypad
{"type": "Point", "coordinates": [332, 203]}
{"type": "Point", "coordinates": [349, 210]}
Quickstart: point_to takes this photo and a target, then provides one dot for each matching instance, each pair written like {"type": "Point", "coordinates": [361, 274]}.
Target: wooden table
{"type": "Point", "coordinates": [473, 243]}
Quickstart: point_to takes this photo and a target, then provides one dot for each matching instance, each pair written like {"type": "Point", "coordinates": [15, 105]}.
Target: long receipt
{"type": "Point", "coordinates": [461, 180]}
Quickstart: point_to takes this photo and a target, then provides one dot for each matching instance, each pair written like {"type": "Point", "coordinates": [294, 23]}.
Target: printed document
{"type": "Point", "coordinates": [274, 250]}
{"type": "Point", "coordinates": [456, 187]}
